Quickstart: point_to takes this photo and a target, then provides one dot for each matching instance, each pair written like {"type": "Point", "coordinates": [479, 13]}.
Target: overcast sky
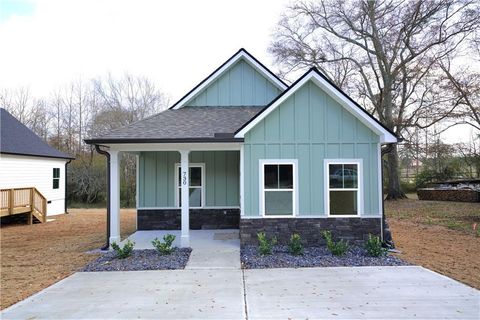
{"type": "Point", "coordinates": [46, 43]}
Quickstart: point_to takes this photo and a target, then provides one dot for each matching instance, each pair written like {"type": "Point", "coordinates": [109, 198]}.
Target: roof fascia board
{"type": "Point", "coordinates": [241, 54]}
{"type": "Point", "coordinates": [385, 136]}
{"type": "Point", "coordinates": [36, 155]}
{"type": "Point", "coordinates": [138, 147]}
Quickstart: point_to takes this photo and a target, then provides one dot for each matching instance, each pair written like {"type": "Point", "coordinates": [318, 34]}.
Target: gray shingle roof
{"type": "Point", "coordinates": [16, 138]}
{"type": "Point", "coordinates": [196, 124]}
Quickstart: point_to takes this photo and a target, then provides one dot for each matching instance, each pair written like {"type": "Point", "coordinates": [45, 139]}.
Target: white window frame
{"type": "Point", "coordinates": [359, 189]}
{"type": "Point", "coordinates": [294, 163]}
{"type": "Point", "coordinates": [55, 178]}
{"type": "Point", "coordinates": [178, 188]}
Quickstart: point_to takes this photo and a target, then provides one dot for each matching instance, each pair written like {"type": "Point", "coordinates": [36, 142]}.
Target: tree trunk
{"type": "Point", "coordinates": [394, 190]}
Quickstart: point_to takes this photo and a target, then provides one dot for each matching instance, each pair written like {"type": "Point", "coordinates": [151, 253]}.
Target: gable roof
{"type": "Point", "coordinates": [240, 54]}
{"type": "Point", "coordinates": [386, 135]}
{"type": "Point", "coordinates": [16, 138]}
{"type": "Point", "coordinates": [192, 124]}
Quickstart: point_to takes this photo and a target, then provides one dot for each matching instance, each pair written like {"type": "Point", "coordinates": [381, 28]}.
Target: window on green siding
{"type": "Point", "coordinates": [278, 189]}
{"type": "Point", "coordinates": [343, 188]}
{"type": "Point", "coordinates": [195, 186]}
{"type": "Point", "coordinates": [56, 178]}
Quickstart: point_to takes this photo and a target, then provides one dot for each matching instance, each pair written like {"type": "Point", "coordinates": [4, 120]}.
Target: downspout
{"type": "Point", "coordinates": [386, 237]}
{"type": "Point", "coordinates": [66, 176]}
{"type": "Point", "coordinates": [107, 155]}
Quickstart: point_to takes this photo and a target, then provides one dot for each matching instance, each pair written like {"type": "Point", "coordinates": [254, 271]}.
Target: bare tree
{"type": "Point", "coordinates": [390, 49]}
{"type": "Point", "coordinates": [129, 98]}
{"type": "Point", "coordinates": [464, 87]}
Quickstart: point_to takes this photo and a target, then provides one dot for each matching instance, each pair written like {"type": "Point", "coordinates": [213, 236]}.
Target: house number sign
{"type": "Point", "coordinates": [184, 178]}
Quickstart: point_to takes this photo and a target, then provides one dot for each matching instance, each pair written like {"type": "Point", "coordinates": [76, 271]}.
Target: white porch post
{"type": "Point", "coordinates": [114, 197]}
{"type": "Point", "coordinates": [184, 182]}
{"type": "Point", "coordinates": [242, 181]}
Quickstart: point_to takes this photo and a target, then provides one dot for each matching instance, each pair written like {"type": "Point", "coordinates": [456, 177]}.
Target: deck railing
{"type": "Point", "coordinates": [23, 200]}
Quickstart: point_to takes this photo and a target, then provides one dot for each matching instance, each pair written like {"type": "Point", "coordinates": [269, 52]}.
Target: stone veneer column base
{"type": "Point", "coordinates": [170, 219]}
{"type": "Point", "coordinates": [355, 230]}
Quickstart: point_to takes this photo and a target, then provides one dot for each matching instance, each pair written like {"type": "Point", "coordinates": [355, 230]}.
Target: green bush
{"type": "Point", "coordinates": [295, 246]}
{"type": "Point", "coordinates": [265, 246]}
{"type": "Point", "coordinates": [374, 246]}
{"type": "Point", "coordinates": [124, 252]}
{"type": "Point", "coordinates": [165, 247]}
{"type": "Point", "coordinates": [408, 187]}
{"type": "Point", "coordinates": [336, 248]}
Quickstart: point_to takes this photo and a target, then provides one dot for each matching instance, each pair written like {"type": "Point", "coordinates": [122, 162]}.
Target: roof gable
{"type": "Point", "coordinates": [386, 136]}
{"type": "Point", "coordinates": [16, 138]}
{"type": "Point", "coordinates": [241, 80]}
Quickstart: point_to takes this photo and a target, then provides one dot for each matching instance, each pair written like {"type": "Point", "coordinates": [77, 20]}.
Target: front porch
{"type": "Point", "coordinates": [183, 187]}
{"type": "Point", "coordinates": [219, 249]}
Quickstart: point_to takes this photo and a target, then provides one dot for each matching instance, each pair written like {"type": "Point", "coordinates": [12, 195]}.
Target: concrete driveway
{"type": "Point", "coordinates": [314, 293]}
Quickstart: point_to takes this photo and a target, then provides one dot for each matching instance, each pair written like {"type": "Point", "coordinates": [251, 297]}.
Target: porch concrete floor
{"type": "Point", "coordinates": [211, 249]}
{"type": "Point", "coordinates": [314, 293]}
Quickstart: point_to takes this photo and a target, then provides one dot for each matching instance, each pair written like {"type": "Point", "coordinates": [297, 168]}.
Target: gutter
{"type": "Point", "coordinates": [66, 176]}
{"type": "Point", "coordinates": [107, 155]}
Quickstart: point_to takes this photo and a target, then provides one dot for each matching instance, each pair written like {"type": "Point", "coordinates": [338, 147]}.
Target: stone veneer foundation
{"type": "Point", "coordinates": [170, 219]}
{"type": "Point", "coordinates": [355, 230]}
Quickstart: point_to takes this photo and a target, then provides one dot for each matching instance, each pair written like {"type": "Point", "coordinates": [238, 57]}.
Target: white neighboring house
{"type": "Point", "coordinates": [28, 161]}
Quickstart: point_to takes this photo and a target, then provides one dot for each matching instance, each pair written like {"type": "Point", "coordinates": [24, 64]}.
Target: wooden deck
{"type": "Point", "coordinates": [21, 201]}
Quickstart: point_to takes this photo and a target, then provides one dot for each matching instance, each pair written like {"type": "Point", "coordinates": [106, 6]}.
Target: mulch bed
{"type": "Point", "coordinates": [148, 259]}
{"type": "Point", "coordinates": [314, 257]}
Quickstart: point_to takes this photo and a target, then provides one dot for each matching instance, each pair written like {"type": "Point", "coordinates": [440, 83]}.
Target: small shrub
{"type": "Point", "coordinates": [338, 248]}
{"type": "Point", "coordinates": [374, 246]}
{"type": "Point", "coordinates": [265, 246]}
{"type": "Point", "coordinates": [295, 246]}
{"type": "Point", "coordinates": [165, 247]}
{"type": "Point", "coordinates": [124, 252]}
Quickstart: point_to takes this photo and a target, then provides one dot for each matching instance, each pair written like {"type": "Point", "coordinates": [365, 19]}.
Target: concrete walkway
{"type": "Point", "coordinates": [313, 293]}
{"type": "Point", "coordinates": [358, 293]}
{"type": "Point", "coordinates": [211, 249]}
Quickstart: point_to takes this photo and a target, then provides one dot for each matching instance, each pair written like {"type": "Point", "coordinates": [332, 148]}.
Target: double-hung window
{"type": "Point", "coordinates": [343, 191]}
{"type": "Point", "coordinates": [278, 187]}
{"type": "Point", "coordinates": [56, 178]}
{"type": "Point", "coordinates": [195, 187]}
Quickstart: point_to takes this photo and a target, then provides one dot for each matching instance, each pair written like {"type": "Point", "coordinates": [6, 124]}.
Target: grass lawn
{"type": "Point", "coordinates": [439, 235]}
{"type": "Point", "coordinates": [35, 257]}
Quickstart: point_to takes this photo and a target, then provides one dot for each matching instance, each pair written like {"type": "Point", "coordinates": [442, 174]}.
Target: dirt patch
{"type": "Point", "coordinates": [440, 236]}
{"type": "Point", "coordinates": [35, 257]}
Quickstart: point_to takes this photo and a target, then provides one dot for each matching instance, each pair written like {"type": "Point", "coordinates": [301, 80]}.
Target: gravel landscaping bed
{"type": "Point", "coordinates": [313, 257]}
{"type": "Point", "coordinates": [141, 260]}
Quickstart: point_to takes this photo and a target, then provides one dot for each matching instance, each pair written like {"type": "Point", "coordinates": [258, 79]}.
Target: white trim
{"type": "Point", "coordinates": [262, 163]}
{"type": "Point", "coordinates": [240, 55]}
{"type": "Point", "coordinates": [177, 187]}
{"type": "Point", "coordinates": [176, 208]}
{"type": "Point", "coordinates": [385, 136]}
{"type": "Point", "coordinates": [136, 147]}
{"type": "Point", "coordinates": [359, 189]}
{"type": "Point", "coordinates": [242, 181]}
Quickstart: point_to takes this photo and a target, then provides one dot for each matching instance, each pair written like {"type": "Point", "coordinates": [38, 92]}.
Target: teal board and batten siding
{"type": "Point", "coordinates": [157, 174]}
{"type": "Point", "coordinates": [240, 85]}
{"type": "Point", "coordinates": [310, 126]}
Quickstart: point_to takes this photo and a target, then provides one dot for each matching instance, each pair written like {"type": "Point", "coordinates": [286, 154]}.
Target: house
{"type": "Point", "coordinates": [28, 164]}
{"type": "Point", "coordinates": [245, 150]}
